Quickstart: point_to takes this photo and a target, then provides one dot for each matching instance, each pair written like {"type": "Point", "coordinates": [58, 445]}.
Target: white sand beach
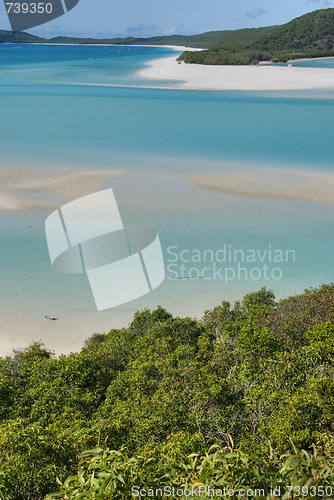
{"type": "Point", "coordinates": [261, 77]}
{"type": "Point", "coordinates": [18, 187]}
{"type": "Point", "coordinates": [173, 47]}
{"type": "Point", "coordinates": [271, 183]}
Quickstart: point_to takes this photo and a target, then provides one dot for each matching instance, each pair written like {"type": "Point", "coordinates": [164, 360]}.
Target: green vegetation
{"type": "Point", "coordinates": [311, 35]}
{"type": "Point", "coordinates": [204, 40]}
{"type": "Point", "coordinates": [108, 474]}
{"type": "Point", "coordinates": [231, 400]}
{"type": "Point", "coordinates": [19, 37]}
{"type": "Point", "coordinates": [83, 41]}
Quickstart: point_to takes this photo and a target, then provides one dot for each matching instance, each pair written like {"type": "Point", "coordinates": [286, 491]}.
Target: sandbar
{"type": "Point", "coordinates": [23, 189]}
{"type": "Point", "coordinates": [271, 183]}
{"type": "Point", "coordinates": [259, 77]}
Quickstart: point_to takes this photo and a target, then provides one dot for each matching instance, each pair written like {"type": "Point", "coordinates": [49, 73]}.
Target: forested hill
{"type": "Point", "coordinates": [208, 40]}
{"type": "Point", "coordinates": [19, 37]}
{"type": "Point", "coordinates": [311, 35]}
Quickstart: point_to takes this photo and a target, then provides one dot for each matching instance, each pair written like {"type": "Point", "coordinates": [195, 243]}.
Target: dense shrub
{"type": "Point", "coordinates": [165, 390]}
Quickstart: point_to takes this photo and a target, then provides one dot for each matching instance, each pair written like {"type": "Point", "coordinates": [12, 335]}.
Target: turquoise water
{"type": "Point", "coordinates": [53, 118]}
{"type": "Point", "coordinates": [325, 62]}
{"type": "Point", "coordinates": [125, 122]}
{"type": "Point", "coordinates": [39, 64]}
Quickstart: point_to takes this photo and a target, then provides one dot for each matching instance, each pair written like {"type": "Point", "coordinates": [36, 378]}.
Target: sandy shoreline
{"type": "Point", "coordinates": [261, 77]}
{"type": "Point", "coordinates": [173, 47]}
{"type": "Point", "coordinates": [18, 188]}
{"type": "Point", "coordinates": [271, 183]}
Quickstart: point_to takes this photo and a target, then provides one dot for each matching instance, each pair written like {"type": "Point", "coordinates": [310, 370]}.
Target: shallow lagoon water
{"type": "Point", "coordinates": [324, 62]}
{"type": "Point", "coordinates": [52, 120]}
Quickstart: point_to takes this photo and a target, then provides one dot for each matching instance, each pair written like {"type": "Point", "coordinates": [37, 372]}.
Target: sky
{"type": "Point", "coordinates": [144, 18]}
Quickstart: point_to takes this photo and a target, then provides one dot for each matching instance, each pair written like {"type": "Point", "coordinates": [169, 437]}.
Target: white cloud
{"type": "Point", "coordinates": [253, 14]}
{"type": "Point", "coordinates": [175, 31]}
{"type": "Point", "coordinates": [142, 29]}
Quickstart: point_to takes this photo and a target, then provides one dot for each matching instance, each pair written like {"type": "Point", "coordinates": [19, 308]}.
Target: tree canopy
{"type": "Point", "coordinates": [250, 383]}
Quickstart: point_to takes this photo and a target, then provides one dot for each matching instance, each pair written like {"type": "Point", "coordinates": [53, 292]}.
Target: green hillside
{"type": "Point", "coordinates": [19, 37]}
{"type": "Point", "coordinates": [210, 39]}
{"type": "Point", "coordinates": [313, 31]}
{"type": "Point", "coordinates": [84, 41]}
{"type": "Point", "coordinates": [205, 40]}
{"type": "Point", "coordinates": [311, 35]}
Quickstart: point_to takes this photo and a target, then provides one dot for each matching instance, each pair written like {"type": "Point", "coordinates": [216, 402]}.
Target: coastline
{"type": "Point", "coordinates": [173, 47]}
{"type": "Point", "coordinates": [259, 77]}
{"type": "Point", "coordinates": [309, 59]}
{"type": "Point", "coordinates": [27, 299]}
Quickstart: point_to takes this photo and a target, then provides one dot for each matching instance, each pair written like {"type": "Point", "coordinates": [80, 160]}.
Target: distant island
{"type": "Point", "coordinates": [307, 36]}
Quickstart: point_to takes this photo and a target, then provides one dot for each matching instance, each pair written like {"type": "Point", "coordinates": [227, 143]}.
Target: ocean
{"type": "Point", "coordinates": [69, 108]}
